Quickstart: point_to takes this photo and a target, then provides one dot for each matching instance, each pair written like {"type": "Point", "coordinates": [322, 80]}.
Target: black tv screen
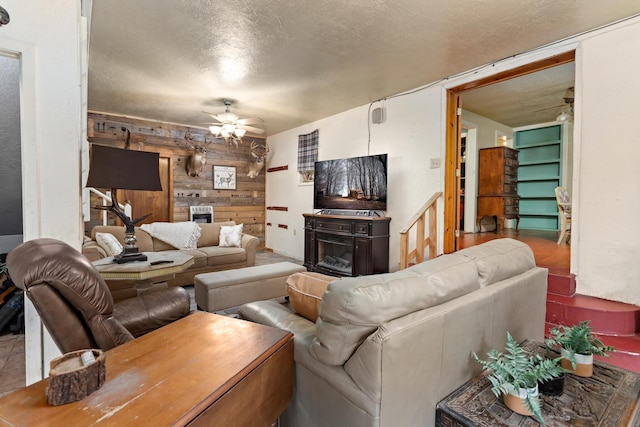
{"type": "Point", "coordinates": [357, 183]}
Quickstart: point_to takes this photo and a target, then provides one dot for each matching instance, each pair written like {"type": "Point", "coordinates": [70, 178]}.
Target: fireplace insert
{"type": "Point", "coordinates": [335, 254]}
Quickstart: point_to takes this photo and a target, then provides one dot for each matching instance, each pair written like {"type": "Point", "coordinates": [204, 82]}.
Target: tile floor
{"type": "Point", "coordinates": [12, 363]}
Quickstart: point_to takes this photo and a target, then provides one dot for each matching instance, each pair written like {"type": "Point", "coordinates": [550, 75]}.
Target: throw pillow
{"type": "Point", "coordinates": [230, 236]}
{"type": "Point", "coordinates": [305, 292]}
{"type": "Point", "coordinates": [109, 243]}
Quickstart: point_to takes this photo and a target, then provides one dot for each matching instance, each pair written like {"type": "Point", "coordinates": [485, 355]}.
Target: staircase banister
{"type": "Point", "coordinates": [421, 212]}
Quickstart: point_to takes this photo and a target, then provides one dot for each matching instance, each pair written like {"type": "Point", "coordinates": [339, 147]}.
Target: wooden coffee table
{"type": "Point", "coordinates": [147, 273]}
{"type": "Point", "coordinates": [609, 398]}
{"type": "Point", "coordinates": [202, 370]}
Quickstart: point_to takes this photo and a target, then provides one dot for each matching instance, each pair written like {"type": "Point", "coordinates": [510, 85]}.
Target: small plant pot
{"type": "Point", "coordinates": [584, 365]}
{"type": "Point", "coordinates": [514, 400]}
{"type": "Point", "coordinates": [554, 387]}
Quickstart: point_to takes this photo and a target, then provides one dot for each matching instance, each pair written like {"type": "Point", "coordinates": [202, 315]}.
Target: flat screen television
{"type": "Point", "coordinates": [356, 183]}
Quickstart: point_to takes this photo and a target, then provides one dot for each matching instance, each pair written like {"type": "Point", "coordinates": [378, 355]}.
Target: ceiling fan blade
{"type": "Point", "coordinates": [252, 129]}
{"type": "Point", "coordinates": [550, 108]}
{"type": "Point", "coordinates": [250, 121]}
{"type": "Point", "coordinates": [213, 116]}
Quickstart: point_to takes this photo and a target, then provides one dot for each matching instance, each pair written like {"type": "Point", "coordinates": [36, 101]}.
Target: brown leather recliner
{"type": "Point", "coordinates": [74, 301]}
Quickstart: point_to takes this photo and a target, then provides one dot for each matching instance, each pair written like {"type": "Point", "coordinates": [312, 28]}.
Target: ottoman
{"type": "Point", "coordinates": [221, 290]}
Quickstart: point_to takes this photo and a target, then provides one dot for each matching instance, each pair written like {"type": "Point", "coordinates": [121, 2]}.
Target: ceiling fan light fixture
{"type": "Point", "coordinates": [230, 127]}
{"type": "Point", "coordinates": [564, 117]}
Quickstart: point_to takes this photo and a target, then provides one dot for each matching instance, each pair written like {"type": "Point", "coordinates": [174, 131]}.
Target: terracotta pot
{"type": "Point", "coordinates": [514, 401]}
{"type": "Point", "coordinates": [584, 365]}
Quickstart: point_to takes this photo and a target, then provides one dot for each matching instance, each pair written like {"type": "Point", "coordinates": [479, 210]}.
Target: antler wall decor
{"type": "Point", "coordinates": [196, 161]}
{"type": "Point", "coordinates": [259, 152]}
{"type": "Point", "coordinates": [4, 16]}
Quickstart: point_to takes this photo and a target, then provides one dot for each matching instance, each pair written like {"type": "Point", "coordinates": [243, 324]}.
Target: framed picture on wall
{"type": "Point", "coordinates": [224, 177]}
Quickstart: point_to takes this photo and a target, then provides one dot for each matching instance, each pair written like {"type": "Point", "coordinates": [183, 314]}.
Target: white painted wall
{"type": "Point", "coordinates": [605, 246]}
{"type": "Point", "coordinates": [45, 33]}
{"type": "Point", "coordinates": [487, 129]}
{"type": "Point", "coordinates": [606, 192]}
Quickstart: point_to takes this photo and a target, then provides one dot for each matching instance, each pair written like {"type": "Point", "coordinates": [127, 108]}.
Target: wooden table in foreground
{"type": "Point", "coordinates": [609, 398]}
{"type": "Point", "coordinates": [203, 370]}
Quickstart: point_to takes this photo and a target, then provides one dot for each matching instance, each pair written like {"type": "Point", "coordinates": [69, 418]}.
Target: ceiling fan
{"type": "Point", "coordinates": [230, 127]}
{"type": "Point", "coordinates": [567, 112]}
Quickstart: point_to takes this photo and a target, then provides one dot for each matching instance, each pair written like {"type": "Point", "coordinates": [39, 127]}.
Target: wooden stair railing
{"type": "Point", "coordinates": [422, 241]}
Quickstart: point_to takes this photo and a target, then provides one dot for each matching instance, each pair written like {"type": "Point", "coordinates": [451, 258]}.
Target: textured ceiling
{"type": "Point", "coordinates": [291, 63]}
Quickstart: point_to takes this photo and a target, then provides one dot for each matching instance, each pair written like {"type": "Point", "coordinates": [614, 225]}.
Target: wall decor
{"type": "Point", "coordinates": [224, 177]}
{"type": "Point", "coordinates": [4, 16]}
{"type": "Point", "coordinates": [307, 155]}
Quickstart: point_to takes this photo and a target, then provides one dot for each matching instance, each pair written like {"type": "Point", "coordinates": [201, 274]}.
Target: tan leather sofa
{"type": "Point", "coordinates": [208, 256]}
{"type": "Point", "coordinates": [387, 348]}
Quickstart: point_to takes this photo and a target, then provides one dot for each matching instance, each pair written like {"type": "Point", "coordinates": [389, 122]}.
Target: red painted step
{"type": "Point", "coordinates": [606, 317]}
{"type": "Point", "coordinates": [616, 324]}
{"type": "Point", "coordinates": [561, 282]}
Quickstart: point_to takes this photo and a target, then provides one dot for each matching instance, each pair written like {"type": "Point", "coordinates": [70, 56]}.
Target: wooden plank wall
{"type": "Point", "coordinates": [245, 204]}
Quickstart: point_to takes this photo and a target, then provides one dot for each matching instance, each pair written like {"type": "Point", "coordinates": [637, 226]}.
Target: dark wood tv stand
{"type": "Point", "coordinates": [346, 245]}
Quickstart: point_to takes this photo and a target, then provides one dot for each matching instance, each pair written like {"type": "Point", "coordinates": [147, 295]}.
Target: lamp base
{"type": "Point", "coordinates": [129, 257]}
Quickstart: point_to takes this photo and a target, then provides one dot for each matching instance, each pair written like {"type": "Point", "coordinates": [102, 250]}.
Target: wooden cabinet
{"type": "Point", "coordinates": [498, 185]}
{"type": "Point", "coordinates": [346, 245]}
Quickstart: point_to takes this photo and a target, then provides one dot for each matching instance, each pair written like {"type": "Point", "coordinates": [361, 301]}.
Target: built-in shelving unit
{"type": "Point", "coordinates": [539, 173]}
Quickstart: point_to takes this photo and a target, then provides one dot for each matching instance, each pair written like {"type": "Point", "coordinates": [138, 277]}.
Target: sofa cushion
{"type": "Point", "coordinates": [220, 256]}
{"type": "Point", "coordinates": [352, 308]}
{"type": "Point", "coordinates": [199, 257]}
{"type": "Point", "coordinates": [211, 233]}
{"type": "Point", "coordinates": [109, 243]}
{"type": "Point", "coordinates": [500, 259]}
{"type": "Point", "coordinates": [143, 239]}
{"type": "Point", "coordinates": [230, 236]}
{"type": "Point", "coordinates": [180, 235]}
{"type": "Point", "coordinates": [305, 292]}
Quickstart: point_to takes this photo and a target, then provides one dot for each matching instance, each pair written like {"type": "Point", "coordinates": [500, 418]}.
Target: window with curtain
{"type": "Point", "coordinates": [307, 155]}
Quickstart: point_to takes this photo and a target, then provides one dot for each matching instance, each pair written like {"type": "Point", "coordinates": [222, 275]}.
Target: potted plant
{"type": "Point", "coordinates": [515, 374]}
{"type": "Point", "coordinates": [577, 345]}
{"type": "Point", "coordinates": [554, 386]}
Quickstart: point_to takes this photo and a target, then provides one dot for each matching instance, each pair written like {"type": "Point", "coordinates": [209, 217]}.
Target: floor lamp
{"type": "Point", "coordinates": [117, 168]}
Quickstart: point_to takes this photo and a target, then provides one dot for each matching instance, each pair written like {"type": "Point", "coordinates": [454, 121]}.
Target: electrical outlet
{"type": "Point", "coordinates": [435, 163]}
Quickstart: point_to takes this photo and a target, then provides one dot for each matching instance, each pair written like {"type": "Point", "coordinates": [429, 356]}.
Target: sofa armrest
{"type": "Point", "coordinates": [250, 245]}
{"type": "Point", "coordinates": [92, 250]}
{"type": "Point", "coordinates": [152, 310]}
{"type": "Point", "coordinates": [272, 313]}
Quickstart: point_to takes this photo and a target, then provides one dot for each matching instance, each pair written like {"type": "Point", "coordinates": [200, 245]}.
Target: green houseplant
{"type": "Point", "coordinates": [577, 345]}
{"type": "Point", "coordinates": [517, 373]}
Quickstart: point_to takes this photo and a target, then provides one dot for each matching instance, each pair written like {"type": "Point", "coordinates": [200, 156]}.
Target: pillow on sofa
{"type": "Point", "coordinates": [108, 243]}
{"type": "Point", "coordinates": [230, 236]}
{"type": "Point", "coordinates": [305, 292]}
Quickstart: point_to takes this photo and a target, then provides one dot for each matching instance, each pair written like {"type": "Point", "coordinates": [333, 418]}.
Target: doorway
{"type": "Point", "coordinates": [10, 154]}
{"type": "Point", "coordinates": [453, 137]}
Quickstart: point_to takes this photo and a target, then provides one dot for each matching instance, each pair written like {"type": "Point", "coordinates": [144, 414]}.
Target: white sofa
{"type": "Point", "coordinates": [386, 349]}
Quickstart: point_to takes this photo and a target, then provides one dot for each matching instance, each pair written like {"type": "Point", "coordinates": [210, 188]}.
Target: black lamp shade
{"type": "Point", "coordinates": [111, 167]}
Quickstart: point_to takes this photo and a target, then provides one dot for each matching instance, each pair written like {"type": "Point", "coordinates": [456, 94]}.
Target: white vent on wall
{"type": "Point", "coordinates": [202, 214]}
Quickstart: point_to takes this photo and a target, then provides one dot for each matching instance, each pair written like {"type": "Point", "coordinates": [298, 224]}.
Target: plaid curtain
{"type": "Point", "coordinates": [307, 151]}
